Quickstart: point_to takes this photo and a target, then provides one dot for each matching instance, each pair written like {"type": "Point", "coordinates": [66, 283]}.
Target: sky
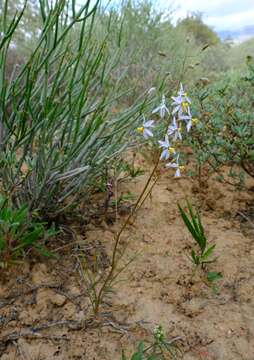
{"type": "Point", "coordinates": [219, 14]}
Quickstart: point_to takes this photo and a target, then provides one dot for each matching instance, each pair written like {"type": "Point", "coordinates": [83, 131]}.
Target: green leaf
{"type": "Point", "coordinates": [187, 222]}
{"type": "Point", "coordinates": [213, 276]}
{"type": "Point", "coordinates": [152, 357]}
{"type": "Point", "coordinates": [20, 215]}
{"type": "Point", "coordinates": [208, 252]}
{"type": "Point", "coordinates": [141, 347]}
{"type": "Point", "coordinates": [137, 356]}
{"type": "Point", "coordinates": [195, 227]}
{"type": "Point", "coordinates": [32, 236]}
{"type": "Point", "coordinates": [195, 257]}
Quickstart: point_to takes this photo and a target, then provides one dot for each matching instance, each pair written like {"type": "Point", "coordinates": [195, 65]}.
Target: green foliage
{"type": "Point", "coordinates": [237, 54]}
{"type": "Point", "coordinates": [130, 169]}
{"type": "Point", "coordinates": [29, 23]}
{"type": "Point", "coordinates": [58, 131]}
{"type": "Point", "coordinates": [20, 235]}
{"type": "Point", "coordinates": [193, 223]}
{"type": "Point", "coordinates": [158, 349]}
{"type": "Point", "coordinates": [214, 276]}
{"type": "Point", "coordinates": [194, 26]}
{"type": "Point", "coordinates": [225, 133]}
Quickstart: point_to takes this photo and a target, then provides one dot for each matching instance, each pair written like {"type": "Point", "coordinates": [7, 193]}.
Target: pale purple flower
{"type": "Point", "coordinates": [182, 93]}
{"type": "Point", "coordinates": [175, 165]}
{"type": "Point", "coordinates": [181, 102]}
{"type": "Point", "coordinates": [167, 149]}
{"type": "Point", "coordinates": [145, 128]}
{"type": "Point", "coordinates": [162, 108]}
{"type": "Point", "coordinates": [174, 131]}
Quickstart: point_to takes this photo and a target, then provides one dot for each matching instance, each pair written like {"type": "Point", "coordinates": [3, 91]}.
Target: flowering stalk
{"type": "Point", "coordinates": [181, 114]}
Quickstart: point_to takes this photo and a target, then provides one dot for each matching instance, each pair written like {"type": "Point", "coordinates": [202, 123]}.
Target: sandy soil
{"type": "Point", "coordinates": [45, 313]}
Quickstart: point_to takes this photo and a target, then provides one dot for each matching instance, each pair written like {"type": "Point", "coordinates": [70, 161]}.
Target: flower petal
{"type": "Point", "coordinates": [156, 110]}
{"type": "Point", "coordinates": [164, 155]}
{"type": "Point", "coordinates": [178, 173]}
{"type": "Point", "coordinates": [172, 165]}
{"type": "Point", "coordinates": [147, 133]}
{"type": "Point", "coordinates": [148, 123]}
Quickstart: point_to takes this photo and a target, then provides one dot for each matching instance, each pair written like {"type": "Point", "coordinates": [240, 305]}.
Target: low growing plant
{"type": "Point", "coordinates": [193, 223]}
{"type": "Point", "coordinates": [158, 349]}
{"type": "Point", "coordinates": [19, 235]}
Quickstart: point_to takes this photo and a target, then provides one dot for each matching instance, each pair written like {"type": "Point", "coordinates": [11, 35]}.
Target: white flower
{"type": "Point", "coordinates": [145, 128]}
{"type": "Point", "coordinates": [174, 130]}
{"type": "Point", "coordinates": [175, 165]}
{"type": "Point", "coordinates": [182, 92]}
{"type": "Point", "coordinates": [184, 113]}
{"type": "Point", "coordinates": [167, 149]}
{"type": "Point", "coordinates": [181, 102]}
{"type": "Point", "coordinates": [162, 108]}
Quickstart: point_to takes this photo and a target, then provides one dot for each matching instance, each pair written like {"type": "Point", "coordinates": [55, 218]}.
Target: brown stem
{"type": "Point", "coordinates": [118, 237]}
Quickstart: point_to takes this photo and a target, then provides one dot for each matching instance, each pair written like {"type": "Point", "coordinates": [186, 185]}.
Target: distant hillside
{"type": "Point", "coordinates": [238, 54]}
{"type": "Point", "coordinates": [239, 35]}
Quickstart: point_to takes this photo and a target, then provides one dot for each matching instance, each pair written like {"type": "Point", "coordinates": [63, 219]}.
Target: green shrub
{"type": "Point", "coordinates": [225, 133]}
{"type": "Point", "coordinates": [58, 131]}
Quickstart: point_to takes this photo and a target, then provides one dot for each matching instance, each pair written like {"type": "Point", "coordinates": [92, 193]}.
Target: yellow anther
{"type": "Point", "coordinates": [185, 105]}
{"type": "Point", "coordinates": [140, 129]}
{"type": "Point", "coordinates": [182, 167]}
{"type": "Point", "coordinates": [171, 150]}
{"type": "Point", "coordinates": [194, 121]}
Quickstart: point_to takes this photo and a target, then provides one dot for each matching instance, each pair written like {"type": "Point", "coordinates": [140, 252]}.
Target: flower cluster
{"type": "Point", "coordinates": [181, 117]}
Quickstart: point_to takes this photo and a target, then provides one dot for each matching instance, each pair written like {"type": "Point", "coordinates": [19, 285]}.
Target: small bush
{"type": "Point", "coordinates": [225, 133]}
{"type": "Point", "coordinates": [58, 131]}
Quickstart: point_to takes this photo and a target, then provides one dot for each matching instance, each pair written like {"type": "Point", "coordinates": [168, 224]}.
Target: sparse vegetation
{"type": "Point", "coordinates": [111, 115]}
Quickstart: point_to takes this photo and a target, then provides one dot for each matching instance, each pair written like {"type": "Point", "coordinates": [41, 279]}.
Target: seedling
{"type": "Point", "coordinates": [19, 235]}
{"type": "Point", "coordinates": [159, 349]}
{"type": "Point", "coordinates": [193, 223]}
